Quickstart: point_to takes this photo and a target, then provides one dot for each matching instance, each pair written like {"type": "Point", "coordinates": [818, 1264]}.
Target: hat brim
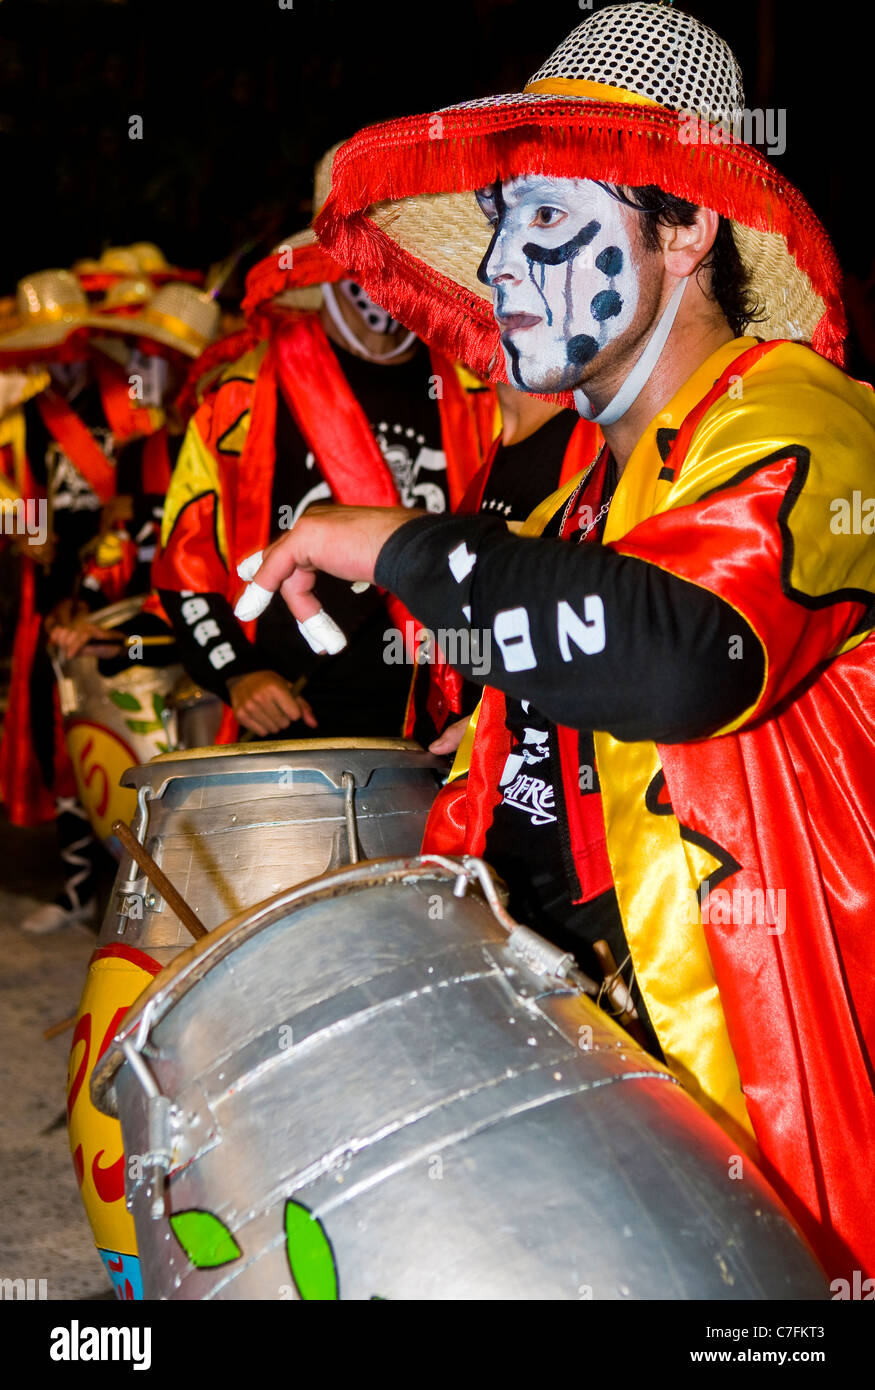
{"type": "Point", "coordinates": [401, 213]}
{"type": "Point", "coordinates": [40, 337]}
{"type": "Point", "coordinates": [136, 327]}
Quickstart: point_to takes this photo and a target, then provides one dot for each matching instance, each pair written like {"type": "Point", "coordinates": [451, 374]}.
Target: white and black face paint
{"type": "Point", "coordinates": [563, 279]}
{"type": "Point", "coordinates": [377, 319]}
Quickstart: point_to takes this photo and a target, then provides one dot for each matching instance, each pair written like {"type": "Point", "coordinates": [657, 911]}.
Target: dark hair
{"type": "Point", "coordinates": [730, 282]}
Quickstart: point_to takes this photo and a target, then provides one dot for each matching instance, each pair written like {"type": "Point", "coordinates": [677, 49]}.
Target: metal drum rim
{"type": "Point", "coordinates": [297, 754]}
{"type": "Point", "coordinates": [192, 964]}
{"type": "Point", "coordinates": [293, 745]}
{"type": "Point", "coordinates": [107, 617]}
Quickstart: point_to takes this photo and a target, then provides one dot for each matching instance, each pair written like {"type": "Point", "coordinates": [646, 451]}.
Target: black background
{"type": "Point", "coordinates": [240, 99]}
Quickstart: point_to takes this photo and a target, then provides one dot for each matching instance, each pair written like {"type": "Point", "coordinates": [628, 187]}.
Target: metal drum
{"type": "Point", "coordinates": [229, 826]}
{"type": "Point", "coordinates": [380, 1086]}
{"type": "Point", "coordinates": [235, 824]}
{"type": "Point", "coordinates": [112, 722]}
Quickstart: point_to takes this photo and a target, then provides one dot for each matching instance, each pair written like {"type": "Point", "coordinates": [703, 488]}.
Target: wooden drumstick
{"type": "Point", "coordinates": [58, 1028]}
{"type": "Point", "coordinates": [186, 915]}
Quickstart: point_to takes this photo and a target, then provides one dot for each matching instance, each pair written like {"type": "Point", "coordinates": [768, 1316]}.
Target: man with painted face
{"type": "Point", "coordinates": [675, 748]}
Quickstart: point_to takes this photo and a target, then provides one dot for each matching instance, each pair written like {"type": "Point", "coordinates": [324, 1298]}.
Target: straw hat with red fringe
{"type": "Point", "coordinates": [613, 103]}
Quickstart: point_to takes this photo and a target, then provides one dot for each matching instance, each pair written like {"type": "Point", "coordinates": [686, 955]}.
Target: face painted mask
{"type": "Point", "coordinates": [375, 318]}
{"type": "Point", "coordinates": [367, 310]}
{"type": "Point", "coordinates": [562, 274]}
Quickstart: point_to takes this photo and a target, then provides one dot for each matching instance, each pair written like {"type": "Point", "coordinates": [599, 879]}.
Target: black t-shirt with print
{"type": "Point", "coordinates": [528, 834]}
{"type": "Point", "coordinates": [357, 691]}
{"type": "Point", "coordinates": [523, 474]}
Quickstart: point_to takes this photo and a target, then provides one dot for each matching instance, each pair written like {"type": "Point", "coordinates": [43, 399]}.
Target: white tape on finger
{"type": "Point", "coordinates": [323, 634]}
{"type": "Point", "coordinates": [248, 568]}
{"type": "Point", "coordinates": [252, 602]}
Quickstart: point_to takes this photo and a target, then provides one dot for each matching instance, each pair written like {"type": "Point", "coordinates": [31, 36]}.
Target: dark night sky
{"type": "Point", "coordinates": [239, 99]}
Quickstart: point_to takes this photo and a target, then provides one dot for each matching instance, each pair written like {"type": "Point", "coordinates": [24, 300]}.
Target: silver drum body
{"type": "Point", "coordinates": [235, 824]}
{"type": "Point", "coordinates": [372, 1087]}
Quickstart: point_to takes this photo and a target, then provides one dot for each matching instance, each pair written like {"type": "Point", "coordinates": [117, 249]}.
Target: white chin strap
{"type": "Point", "coordinates": [640, 373]}
{"type": "Point", "coordinates": [350, 338]}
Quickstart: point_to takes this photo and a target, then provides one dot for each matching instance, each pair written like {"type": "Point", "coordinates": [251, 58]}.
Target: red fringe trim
{"type": "Point", "coordinates": [565, 139]}
{"type": "Point", "coordinates": [311, 265]}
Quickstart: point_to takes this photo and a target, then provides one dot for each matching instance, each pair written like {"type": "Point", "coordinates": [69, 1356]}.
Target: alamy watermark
{"type": "Point", "coordinates": [465, 647]}
{"type": "Point", "coordinates": [745, 907]}
{"type": "Point", "coordinates": [28, 1289]}
{"type": "Point", "coordinates": [765, 127]}
{"type": "Point", "coordinates": [21, 516]}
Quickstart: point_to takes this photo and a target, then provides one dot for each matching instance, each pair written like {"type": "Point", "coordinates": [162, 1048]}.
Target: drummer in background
{"type": "Point", "coordinates": [63, 446]}
{"type": "Point", "coordinates": [326, 397]}
{"type": "Point", "coordinates": [157, 335]}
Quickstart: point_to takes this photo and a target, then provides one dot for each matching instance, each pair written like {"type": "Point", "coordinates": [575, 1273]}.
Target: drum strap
{"type": "Point", "coordinates": [329, 416]}
{"type": "Point", "coordinates": [77, 442]}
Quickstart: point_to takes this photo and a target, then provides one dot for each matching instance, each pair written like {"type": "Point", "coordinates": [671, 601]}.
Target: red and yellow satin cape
{"type": "Point", "coordinates": [744, 863]}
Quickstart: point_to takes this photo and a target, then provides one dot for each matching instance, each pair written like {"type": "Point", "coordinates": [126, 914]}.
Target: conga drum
{"type": "Point", "coordinates": [229, 826]}
{"type": "Point", "coordinates": [378, 1085]}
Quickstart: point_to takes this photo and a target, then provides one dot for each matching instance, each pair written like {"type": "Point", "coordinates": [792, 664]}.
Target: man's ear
{"type": "Point", "coordinates": [685, 248]}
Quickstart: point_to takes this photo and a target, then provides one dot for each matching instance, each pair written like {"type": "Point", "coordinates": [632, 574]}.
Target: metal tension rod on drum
{"type": "Point", "coordinates": [348, 783]}
{"type": "Point", "coordinates": [540, 955]}
{"type": "Point", "coordinates": [144, 860]}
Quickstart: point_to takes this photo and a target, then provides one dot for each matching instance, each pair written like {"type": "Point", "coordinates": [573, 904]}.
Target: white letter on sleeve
{"type": "Point", "coordinates": [511, 629]}
{"type": "Point", "coordinates": [587, 633]}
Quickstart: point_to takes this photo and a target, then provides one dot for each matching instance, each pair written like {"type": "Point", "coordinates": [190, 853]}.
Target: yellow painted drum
{"type": "Point", "coordinates": [228, 825]}
{"type": "Point", "coordinates": [117, 976]}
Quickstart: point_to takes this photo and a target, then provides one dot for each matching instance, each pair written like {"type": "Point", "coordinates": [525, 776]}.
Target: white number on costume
{"type": "Point", "coordinates": [587, 633]}
{"type": "Point", "coordinates": [195, 608]}
{"type": "Point", "coordinates": [221, 655]}
{"type": "Point", "coordinates": [511, 629]}
{"type": "Point", "coordinates": [205, 630]}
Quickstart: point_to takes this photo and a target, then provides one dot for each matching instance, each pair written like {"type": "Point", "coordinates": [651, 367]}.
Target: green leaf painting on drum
{"type": "Point", "coordinates": [311, 1258]}
{"type": "Point", "coordinates": [123, 700]}
{"type": "Point", "coordinates": [205, 1239]}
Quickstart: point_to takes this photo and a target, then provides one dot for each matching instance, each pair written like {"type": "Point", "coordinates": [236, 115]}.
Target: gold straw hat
{"type": "Point", "coordinates": [179, 316]}
{"type": "Point", "coordinates": [115, 261]}
{"type": "Point", "coordinates": [51, 305]}
{"type": "Point", "coordinates": [150, 258]}
{"type": "Point", "coordinates": [638, 94]}
{"type": "Point", "coordinates": [126, 296]}
{"type": "Point", "coordinates": [134, 262]}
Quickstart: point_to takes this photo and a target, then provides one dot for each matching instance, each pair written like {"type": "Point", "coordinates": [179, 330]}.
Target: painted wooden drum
{"type": "Point", "coordinates": [380, 1086]}
{"type": "Point", "coordinates": [114, 721]}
